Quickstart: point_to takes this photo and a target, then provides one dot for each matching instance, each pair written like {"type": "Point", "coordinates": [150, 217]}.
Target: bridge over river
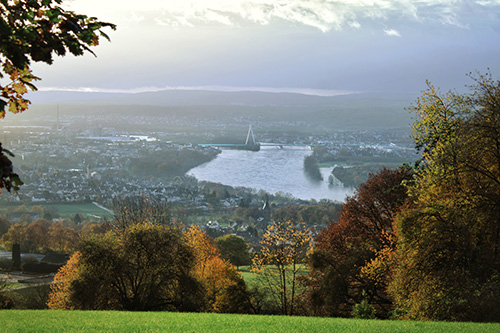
{"type": "Point", "coordinates": [252, 145]}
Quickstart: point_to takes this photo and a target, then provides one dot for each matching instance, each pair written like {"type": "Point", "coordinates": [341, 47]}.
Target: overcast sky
{"type": "Point", "coordinates": [320, 46]}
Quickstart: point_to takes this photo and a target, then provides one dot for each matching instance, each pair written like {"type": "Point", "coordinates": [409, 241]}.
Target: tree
{"type": "Point", "coordinates": [448, 258]}
{"type": "Point", "coordinates": [61, 293]}
{"type": "Point", "coordinates": [234, 249]}
{"type": "Point", "coordinates": [224, 287]}
{"type": "Point", "coordinates": [362, 235]}
{"type": "Point", "coordinates": [95, 229]}
{"type": "Point", "coordinates": [15, 235]}
{"type": "Point", "coordinates": [35, 30]}
{"type": "Point", "coordinates": [278, 265]}
{"type": "Point", "coordinates": [38, 235]}
{"type": "Point", "coordinates": [62, 239]}
{"type": "Point", "coordinates": [133, 210]}
{"type": "Point", "coordinates": [4, 226]}
{"type": "Point", "coordinates": [146, 267]}
{"type": "Point", "coordinates": [311, 168]}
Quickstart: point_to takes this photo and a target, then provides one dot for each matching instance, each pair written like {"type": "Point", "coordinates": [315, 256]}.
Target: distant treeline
{"type": "Point", "coordinates": [168, 162]}
{"type": "Point", "coordinates": [311, 167]}
{"type": "Point", "coordinates": [356, 175]}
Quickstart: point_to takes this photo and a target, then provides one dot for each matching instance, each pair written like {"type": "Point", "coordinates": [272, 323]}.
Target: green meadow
{"type": "Point", "coordinates": [86, 209]}
{"type": "Point", "coordinates": [251, 279]}
{"type": "Point", "coordinates": [69, 210]}
{"type": "Point", "coordinates": [117, 321]}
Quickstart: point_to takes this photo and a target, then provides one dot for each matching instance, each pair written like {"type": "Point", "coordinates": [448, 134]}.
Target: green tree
{"type": "Point", "coordinates": [234, 249]}
{"type": "Point", "coordinates": [311, 168]}
{"type": "Point", "coordinates": [36, 30]}
{"type": "Point", "coordinates": [448, 258]}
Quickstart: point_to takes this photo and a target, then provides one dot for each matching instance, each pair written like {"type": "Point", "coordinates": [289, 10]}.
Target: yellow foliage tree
{"type": "Point", "coordinates": [448, 254]}
{"type": "Point", "coordinates": [16, 234]}
{"type": "Point", "coordinates": [284, 247]}
{"type": "Point", "coordinates": [60, 295]}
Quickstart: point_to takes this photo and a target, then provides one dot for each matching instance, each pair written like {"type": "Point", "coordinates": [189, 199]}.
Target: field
{"type": "Point", "coordinates": [105, 321]}
{"type": "Point", "coordinates": [251, 279]}
{"type": "Point", "coordinates": [70, 209]}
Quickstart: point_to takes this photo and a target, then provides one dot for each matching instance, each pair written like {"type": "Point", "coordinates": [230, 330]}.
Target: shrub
{"type": "Point", "coordinates": [363, 310]}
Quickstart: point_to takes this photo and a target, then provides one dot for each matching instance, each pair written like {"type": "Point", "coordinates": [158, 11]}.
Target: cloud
{"type": "Point", "coordinates": [324, 15]}
{"type": "Point", "coordinates": [392, 32]}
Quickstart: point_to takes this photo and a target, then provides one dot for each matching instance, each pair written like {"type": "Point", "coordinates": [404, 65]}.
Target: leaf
{"type": "Point", "coordinates": [19, 88]}
{"type": "Point", "coordinates": [13, 107]}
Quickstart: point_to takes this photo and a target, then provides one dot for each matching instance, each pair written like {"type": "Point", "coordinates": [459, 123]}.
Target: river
{"type": "Point", "coordinates": [271, 169]}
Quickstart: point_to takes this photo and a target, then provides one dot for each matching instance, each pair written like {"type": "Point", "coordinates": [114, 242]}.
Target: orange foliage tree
{"type": "Point", "coordinates": [62, 239]}
{"type": "Point", "coordinates": [60, 295]}
{"type": "Point", "coordinates": [224, 286]}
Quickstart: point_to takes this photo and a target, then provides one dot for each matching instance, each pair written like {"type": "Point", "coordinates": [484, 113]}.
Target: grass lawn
{"type": "Point", "coordinates": [247, 275]}
{"type": "Point", "coordinates": [69, 210]}
{"type": "Point", "coordinates": [116, 321]}
{"type": "Point", "coordinates": [251, 279]}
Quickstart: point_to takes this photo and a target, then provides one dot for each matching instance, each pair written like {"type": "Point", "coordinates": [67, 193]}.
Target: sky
{"type": "Point", "coordinates": [322, 47]}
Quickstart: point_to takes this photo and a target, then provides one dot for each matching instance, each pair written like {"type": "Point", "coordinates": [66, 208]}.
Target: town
{"type": "Point", "coordinates": [100, 164]}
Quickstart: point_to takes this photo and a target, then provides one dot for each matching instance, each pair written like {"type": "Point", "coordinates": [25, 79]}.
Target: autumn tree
{"type": "Point", "coordinates": [15, 235]}
{"type": "Point", "coordinates": [36, 30]}
{"type": "Point", "coordinates": [224, 287]}
{"type": "Point", "coordinates": [62, 239]}
{"type": "Point", "coordinates": [61, 293]}
{"type": "Point", "coordinates": [41, 236]}
{"type": "Point", "coordinates": [364, 233]}
{"type": "Point", "coordinates": [37, 234]}
{"type": "Point", "coordinates": [449, 238]}
{"type": "Point", "coordinates": [95, 229]}
{"type": "Point", "coordinates": [146, 267]}
{"type": "Point", "coordinates": [278, 265]}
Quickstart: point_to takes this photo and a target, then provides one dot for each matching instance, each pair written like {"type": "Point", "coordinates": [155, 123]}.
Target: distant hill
{"type": "Point", "coordinates": [307, 113]}
{"type": "Point", "coordinates": [205, 97]}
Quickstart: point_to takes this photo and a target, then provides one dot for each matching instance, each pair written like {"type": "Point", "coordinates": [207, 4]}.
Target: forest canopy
{"type": "Point", "coordinates": [423, 242]}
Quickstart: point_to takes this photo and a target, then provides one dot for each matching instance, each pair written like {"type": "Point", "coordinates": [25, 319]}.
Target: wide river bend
{"type": "Point", "coordinates": [271, 169]}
